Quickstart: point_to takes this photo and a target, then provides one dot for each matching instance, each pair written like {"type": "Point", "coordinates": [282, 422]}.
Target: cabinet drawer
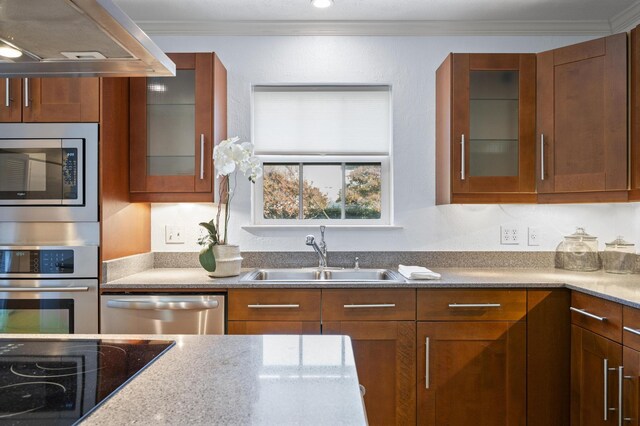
{"type": "Point", "coordinates": [367, 304]}
{"type": "Point", "coordinates": [631, 327]}
{"type": "Point", "coordinates": [278, 305]}
{"type": "Point", "coordinates": [273, 327]}
{"type": "Point", "coordinates": [471, 305]}
{"type": "Point", "coordinates": [597, 315]}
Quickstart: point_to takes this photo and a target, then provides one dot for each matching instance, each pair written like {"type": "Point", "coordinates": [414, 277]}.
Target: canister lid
{"type": "Point", "coordinates": [619, 242]}
{"type": "Point", "coordinates": [581, 235]}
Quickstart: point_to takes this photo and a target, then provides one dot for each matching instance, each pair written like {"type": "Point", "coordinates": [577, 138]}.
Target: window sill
{"type": "Point", "coordinates": [306, 226]}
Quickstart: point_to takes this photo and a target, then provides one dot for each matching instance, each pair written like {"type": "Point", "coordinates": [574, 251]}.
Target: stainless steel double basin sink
{"type": "Point", "coordinates": [325, 275]}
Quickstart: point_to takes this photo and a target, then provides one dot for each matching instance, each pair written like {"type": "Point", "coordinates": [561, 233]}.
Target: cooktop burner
{"type": "Point", "coordinates": [58, 382]}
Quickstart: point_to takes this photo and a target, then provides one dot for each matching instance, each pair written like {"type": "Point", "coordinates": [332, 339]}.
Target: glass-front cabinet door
{"type": "Point", "coordinates": [492, 139]}
{"type": "Point", "coordinates": [175, 122]}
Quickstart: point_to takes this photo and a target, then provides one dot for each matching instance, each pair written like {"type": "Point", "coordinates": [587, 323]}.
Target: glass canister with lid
{"type": "Point", "coordinates": [619, 257]}
{"type": "Point", "coordinates": [580, 252]}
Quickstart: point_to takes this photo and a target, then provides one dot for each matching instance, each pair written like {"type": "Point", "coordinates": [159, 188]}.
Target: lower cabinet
{"type": "Point", "coordinates": [596, 370]}
{"type": "Point", "coordinates": [630, 391]}
{"type": "Point", "coordinates": [385, 355]}
{"type": "Point", "coordinates": [471, 373]}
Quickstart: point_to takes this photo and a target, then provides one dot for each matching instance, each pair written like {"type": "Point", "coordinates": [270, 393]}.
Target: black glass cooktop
{"type": "Point", "coordinates": [58, 382]}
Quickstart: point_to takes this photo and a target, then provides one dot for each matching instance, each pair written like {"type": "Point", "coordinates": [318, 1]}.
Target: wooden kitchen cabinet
{"type": "Point", "coordinates": [175, 123]}
{"type": "Point", "coordinates": [381, 325]}
{"type": "Point", "coordinates": [594, 359]}
{"type": "Point", "coordinates": [51, 100]}
{"type": "Point", "coordinates": [471, 373]}
{"type": "Point", "coordinates": [274, 311]}
{"type": "Point", "coordinates": [634, 122]}
{"type": "Point", "coordinates": [630, 390]}
{"type": "Point", "coordinates": [485, 129]}
{"type": "Point", "coordinates": [582, 122]}
{"type": "Point", "coordinates": [472, 351]}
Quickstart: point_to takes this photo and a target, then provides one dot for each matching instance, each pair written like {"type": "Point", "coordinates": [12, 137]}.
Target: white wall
{"type": "Point", "coordinates": [408, 64]}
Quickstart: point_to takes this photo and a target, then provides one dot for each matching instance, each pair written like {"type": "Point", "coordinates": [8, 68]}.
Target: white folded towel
{"type": "Point", "coordinates": [418, 273]}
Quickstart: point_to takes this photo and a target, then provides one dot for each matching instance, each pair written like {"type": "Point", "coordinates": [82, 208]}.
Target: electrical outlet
{"type": "Point", "coordinates": [534, 236]}
{"type": "Point", "coordinates": [173, 234]}
{"type": "Point", "coordinates": [509, 235]}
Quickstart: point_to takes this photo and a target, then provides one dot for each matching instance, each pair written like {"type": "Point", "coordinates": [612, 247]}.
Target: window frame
{"type": "Point", "coordinates": [386, 201]}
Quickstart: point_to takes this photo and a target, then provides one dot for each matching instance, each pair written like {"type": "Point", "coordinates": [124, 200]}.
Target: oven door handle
{"type": "Point", "coordinates": [167, 305]}
{"type": "Point", "coordinates": [43, 289]}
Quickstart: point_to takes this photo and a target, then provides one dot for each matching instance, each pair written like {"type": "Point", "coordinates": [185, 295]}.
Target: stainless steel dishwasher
{"type": "Point", "coordinates": [162, 314]}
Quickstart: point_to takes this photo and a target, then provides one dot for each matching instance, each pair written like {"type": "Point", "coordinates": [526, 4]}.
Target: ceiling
{"type": "Point", "coordinates": [384, 17]}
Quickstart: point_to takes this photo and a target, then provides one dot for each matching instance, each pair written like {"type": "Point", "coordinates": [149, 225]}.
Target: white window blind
{"type": "Point", "coordinates": [322, 120]}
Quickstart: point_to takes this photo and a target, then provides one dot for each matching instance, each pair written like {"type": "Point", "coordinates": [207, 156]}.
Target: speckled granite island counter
{"type": "Point", "coordinates": [234, 380]}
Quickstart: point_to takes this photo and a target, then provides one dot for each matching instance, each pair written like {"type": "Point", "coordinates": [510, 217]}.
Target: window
{"type": "Point", "coordinates": [326, 153]}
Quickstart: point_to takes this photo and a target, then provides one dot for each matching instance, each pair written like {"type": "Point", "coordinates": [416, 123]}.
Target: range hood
{"type": "Point", "coordinates": [76, 38]}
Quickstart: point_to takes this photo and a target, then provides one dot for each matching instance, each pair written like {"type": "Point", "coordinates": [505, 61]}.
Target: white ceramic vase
{"type": "Point", "coordinates": [228, 260]}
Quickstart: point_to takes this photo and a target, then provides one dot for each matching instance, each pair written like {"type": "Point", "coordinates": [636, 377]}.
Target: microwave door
{"type": "Point", "coordinates": [31, 172]}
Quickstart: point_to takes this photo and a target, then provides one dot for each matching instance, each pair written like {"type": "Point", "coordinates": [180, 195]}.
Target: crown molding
{"type": "Point", "coordinates": [627, 19]}
{"type": "Point", "coordinates": [375, 28]}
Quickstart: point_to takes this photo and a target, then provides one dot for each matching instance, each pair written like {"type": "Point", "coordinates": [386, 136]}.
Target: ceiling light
{"type": "Point", "coordinates": [9, 52]}
{"type": "Point", "coordinates": [322, 4]}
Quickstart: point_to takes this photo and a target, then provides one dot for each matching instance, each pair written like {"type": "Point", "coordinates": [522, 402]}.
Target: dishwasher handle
{"type": "Point", "coordinates": [165, 305]}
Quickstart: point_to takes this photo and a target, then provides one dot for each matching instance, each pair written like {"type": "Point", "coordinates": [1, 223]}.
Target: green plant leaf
{"type": "Point", "coordinates": [207, 259]}
{"type": "Point", "coordinates": [211, 228]}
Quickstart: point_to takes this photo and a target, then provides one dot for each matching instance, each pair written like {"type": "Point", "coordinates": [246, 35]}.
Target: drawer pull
{"type": "Point", "coordinates": [632, 330]}
{"type": "Point", "coordinates": [474, 305]}
{"type": "Point", "coordinates": [371, 305]}
{"type": "Point", "coordinates": [587, 314]}
{"type": "Point", "coordinates": [291, 306]}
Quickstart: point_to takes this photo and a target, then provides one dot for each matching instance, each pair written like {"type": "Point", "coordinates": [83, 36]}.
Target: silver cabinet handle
{"type": "Point", "coordinates": [620, 378]}
{"type": "Point", "coordinates": [371, 305]}
{"type": "Point", "coordinates": [165, 305]}
{"type": "Point", "coordinates": [7, 93]}
{"type": "Point", "coordinates": [462, 157]}
{"type": "Point", "coordinates": [632, 330]}
{"type": "Point", "coordinates": [475, 305]}
{"type": "Point", "coordinates": [290, 306]}
{"type": "Point", "coordinates": [541, 156]}
{"type": "Point", "coordinates": [201, 156]}
{"type": "Point", "coordinates": [605, 393]}
{"type": "Point", "coordinates": [587, 314]}
{"type": "Point", "coordinates": [426, 364]}
{"type": "Point", "coordinates": [626, 419]}
{"type": "Point", "coordinates": [43, 289]}
{"type": "Point", "coordinates": [26, 93]}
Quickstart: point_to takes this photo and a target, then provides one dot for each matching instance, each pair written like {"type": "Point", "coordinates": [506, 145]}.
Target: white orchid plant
{"type": "Point", "coordinates": [229, 156]}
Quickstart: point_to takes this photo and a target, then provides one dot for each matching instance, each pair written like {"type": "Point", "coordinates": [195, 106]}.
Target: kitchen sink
{"type": "Point", "coordinates": [310, 275]}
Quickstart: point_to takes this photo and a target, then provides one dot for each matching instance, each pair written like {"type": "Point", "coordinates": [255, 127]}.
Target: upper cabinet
{"type": "Point", "coordinates": [485, 129]}
{"type": "Point", "coordinates": [582, 122]}
{"type": "Point", "coordinates": [175, 123]}
{"type": "Point", "coordinates": [50, 100]}
{"type": "Point", "coordinates": [634, 122]}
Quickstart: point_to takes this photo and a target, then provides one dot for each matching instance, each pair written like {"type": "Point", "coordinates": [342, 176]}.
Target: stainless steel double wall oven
{"type": "Point", "coordinates": [49, 229]}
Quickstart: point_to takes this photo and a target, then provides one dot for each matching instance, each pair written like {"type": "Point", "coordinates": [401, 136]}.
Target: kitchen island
{"type": "Point", "coordinates": [233, 380]}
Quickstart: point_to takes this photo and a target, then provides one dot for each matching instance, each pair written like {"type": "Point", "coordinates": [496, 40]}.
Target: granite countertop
{"type": "Point", "coordinates": [618, 288]}
{"type": "Point", "coordinates": [232, 380]}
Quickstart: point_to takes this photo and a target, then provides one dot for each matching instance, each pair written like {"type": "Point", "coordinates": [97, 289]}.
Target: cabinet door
{"type": "Point", "coordinates": [582, 120]}
{"type": "Point", "coordinates": [493, 123]}
{"type": "Point", "coordinates": [60, 100]}
{"type": "Point", "coordinates": [594, 360]}
{"type": "Point", "coordinates": [631, 392]}
{"type": "Point", "coordinates": [385, 359]}
{"type": "Point", "coordinates": [171, 130]}
{"type": "Point", "coordinates": [273, 327]}
{"type": "Point", "coordinates": [11, 100]}
{"type": "Point", "coordinates": [471, 373]}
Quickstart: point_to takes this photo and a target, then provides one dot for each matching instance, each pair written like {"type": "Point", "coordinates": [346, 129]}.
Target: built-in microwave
{"type": "Point", "coordinates": [48, 172]}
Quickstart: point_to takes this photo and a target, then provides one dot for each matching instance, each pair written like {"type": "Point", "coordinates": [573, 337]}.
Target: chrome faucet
{"type": "Point", "coordinates": [321, 248]}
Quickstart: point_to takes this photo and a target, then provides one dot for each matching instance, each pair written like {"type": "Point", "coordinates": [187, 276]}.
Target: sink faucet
{"type": "Point", "coordinates": [321, 248]}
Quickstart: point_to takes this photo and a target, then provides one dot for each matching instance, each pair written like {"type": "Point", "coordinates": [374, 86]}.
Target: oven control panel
{"type": "Point", "coordinates": [45, 261]}
{"type": "Point", "coordinates": [69, 173]}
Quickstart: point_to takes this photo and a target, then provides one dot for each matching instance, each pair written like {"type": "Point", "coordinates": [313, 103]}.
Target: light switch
{"type": "Point", "coordinates": [173, 234]}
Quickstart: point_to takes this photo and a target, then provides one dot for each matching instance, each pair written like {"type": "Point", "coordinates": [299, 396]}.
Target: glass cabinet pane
{"type": "Point", "coordinates": [171, 124]}
{"type": "Point", "coordinates": [493, 109]}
